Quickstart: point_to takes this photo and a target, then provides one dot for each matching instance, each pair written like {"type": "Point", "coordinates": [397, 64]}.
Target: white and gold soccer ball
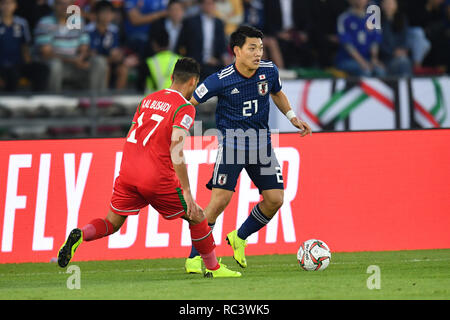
{"type": "Point", "coordinates": [314, 255]}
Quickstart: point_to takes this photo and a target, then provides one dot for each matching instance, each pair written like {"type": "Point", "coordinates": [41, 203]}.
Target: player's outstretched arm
{"type": "Point", "coordinates": [179, 165]}
{"type": "Point", "coordinates": [282, 103]}
{"type": "Point", "coordinates": [194, 102]}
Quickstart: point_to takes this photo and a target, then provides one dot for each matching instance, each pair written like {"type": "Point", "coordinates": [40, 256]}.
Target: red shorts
{"type": "Point", "coordinates": [129, 200]}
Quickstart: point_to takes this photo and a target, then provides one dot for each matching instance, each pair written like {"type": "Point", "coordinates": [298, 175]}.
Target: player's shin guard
{"type": "Point", "coordinates": [96, 229]}
{"type": "Point", "coordinates": [203, 241]}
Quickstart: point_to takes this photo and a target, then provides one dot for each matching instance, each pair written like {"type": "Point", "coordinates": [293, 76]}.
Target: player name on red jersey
{"type": "Point", "coordinates": [157, 105]}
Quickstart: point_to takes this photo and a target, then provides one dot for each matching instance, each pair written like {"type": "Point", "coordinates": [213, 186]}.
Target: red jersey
{"type": "Point", "coordinates": [146, 160]}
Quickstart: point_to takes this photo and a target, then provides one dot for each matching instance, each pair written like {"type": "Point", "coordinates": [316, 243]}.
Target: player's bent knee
{"type": "Point", "coordinates": [195, 219]}
{"type": "Point", "coordinates": [278, 204]}
{"type": "Point", "coordinates": [274, 199]}
{"type": "Point", "coordinates": [198, 218]}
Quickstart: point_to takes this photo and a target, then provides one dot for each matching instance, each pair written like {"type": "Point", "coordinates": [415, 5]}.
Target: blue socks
{"type": "Point", "coordinates": [255, 221]}
{"type": "Point", "coordinates": [193, 253]}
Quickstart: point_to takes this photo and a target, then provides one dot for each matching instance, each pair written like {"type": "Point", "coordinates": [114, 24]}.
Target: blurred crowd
{"type": "Point", "coordinates": [51, 45]}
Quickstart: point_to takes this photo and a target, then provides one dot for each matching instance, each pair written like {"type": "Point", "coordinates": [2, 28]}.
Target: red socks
{"type": "Point", "coordinates": [97, 228]}
{"type": "Point", "coordinates": [201, 235]}
{"type": "Point", "coordinates": [203, 241]}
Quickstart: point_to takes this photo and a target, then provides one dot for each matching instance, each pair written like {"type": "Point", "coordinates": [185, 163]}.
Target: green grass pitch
{"type": "Point", "coordinates": [421, 274]}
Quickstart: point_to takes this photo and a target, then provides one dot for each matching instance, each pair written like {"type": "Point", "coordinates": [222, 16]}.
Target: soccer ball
{"type": "Point", "coordinates": [314, 255]}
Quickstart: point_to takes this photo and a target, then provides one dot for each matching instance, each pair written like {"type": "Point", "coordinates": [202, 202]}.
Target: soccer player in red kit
{"type": "Point", "coordinates": [153, 171]}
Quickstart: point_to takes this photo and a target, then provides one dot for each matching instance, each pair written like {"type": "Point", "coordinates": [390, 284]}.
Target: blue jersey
{"type": "Point", "coordinates": [352, 30]}
{"type": "Point", "coordinates": [103, 43]}
{"type": "Point", "coordinates": [242, 111]}
{"type": "Point", "coordinates": [144, 7]}
{"type": "Point", "coordinates": [12, 38]}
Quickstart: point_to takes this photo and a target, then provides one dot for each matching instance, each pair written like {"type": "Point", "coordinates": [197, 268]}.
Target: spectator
{"type": "Point", "coordinates": [66, 51]}
{"type": "Point", "coordinates": [288, 26]}
{"type": "Point", "coordinates": [394, 46]}
{"type": "Point", "coordinates": [171, 24]}
{"type": "Point", "coordinates": [159, 67]}
{"type": "Point", "coordinates": [140, 14]}
{"type": "Point", "coordinates": [104, 41]}
{"type": "Point", "coordinates": [191, 8]}
{"type": "Point", "coordinates": [33, 11]}
{"type": "Point", "coordinates": [425, 13]}
{"type": "Point", "coordinates": [254, 13]}
{"type": "Point", "coordinates": [447, 33]}
{"type": "Point", "coordinates": [87, 9]}
{"type": "Point", "coordinates": [15, 58]}
{"type": "Point", "coordinates": [231, 12]}
{"type": "Point", "coordinates": [202, 37]}
{"type": "Point", "coordinates": [324, 36]}
{"type": "Point", "coordinates": [426, 20]}
{"type": "Point", "coordinates": [358, 46]}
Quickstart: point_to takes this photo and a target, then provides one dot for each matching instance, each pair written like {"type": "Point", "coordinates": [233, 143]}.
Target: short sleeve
{"type": "Point", "coordinates": [43, 32]}
{"type": "Point", "coordinates": [26, 32]}
{"type": "Point", "coordinates": [184, 116]}
{"type": "Point", "coordinates": [115, 42]}
{"type": "Point", "coordinates": [84, 39]}
{"type": "Point", "coordinates": [276, 81]}
{"type": "Point", "coordinates": [377, 36]}
{"type": "Point", "coordinates": [209, 88]}
{"type": "Point", "coordinates": [343, 35]}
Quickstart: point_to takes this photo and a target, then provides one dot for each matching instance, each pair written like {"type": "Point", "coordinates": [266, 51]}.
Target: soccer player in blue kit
{"type": "Point", "coordinates": [243, 89]}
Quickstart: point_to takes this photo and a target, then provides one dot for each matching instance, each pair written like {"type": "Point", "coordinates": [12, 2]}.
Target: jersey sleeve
{"type": "Point", "coordinates": [116, 41]}
{"type": "Point", "coordinates": [43, 34]}
{"type": "Point", "coordinates": [26, 38]}
{"type": "Point", "coordinates": [276, 85]}
{"type": "Point", "coordinates": [209, 88]}
{"type": "Point", "coordinates": [344, 36]}
{"type": "Point", "coordinates": [184, 116]}
{"type": "Point", "coordinates": [375, 36]}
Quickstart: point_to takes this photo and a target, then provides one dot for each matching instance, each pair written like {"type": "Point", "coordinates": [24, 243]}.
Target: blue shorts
{"type": "Point", "coordinates": [262, 168]}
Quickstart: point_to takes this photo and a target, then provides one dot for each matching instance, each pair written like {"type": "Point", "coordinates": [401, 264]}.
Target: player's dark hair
{"type": "Point", "coordinates": [185, 69]}
{"type": "Point", "coordinates": [238, 37]}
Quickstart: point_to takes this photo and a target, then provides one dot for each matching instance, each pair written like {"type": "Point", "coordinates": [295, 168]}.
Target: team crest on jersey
{"type": "Point", "coordinates": [222, 179]}
{"type": "Point", "coordinates": [263, 88]}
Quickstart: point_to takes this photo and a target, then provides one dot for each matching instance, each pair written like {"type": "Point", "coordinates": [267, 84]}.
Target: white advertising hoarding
{"type": "Point", "coordinates": [367, 104]}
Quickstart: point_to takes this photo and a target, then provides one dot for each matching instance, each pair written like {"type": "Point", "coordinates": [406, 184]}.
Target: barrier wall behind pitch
{"type": "Point", "coordinates": [367, 103]}
{"type": "Point", "coordinates": [357, 191]}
